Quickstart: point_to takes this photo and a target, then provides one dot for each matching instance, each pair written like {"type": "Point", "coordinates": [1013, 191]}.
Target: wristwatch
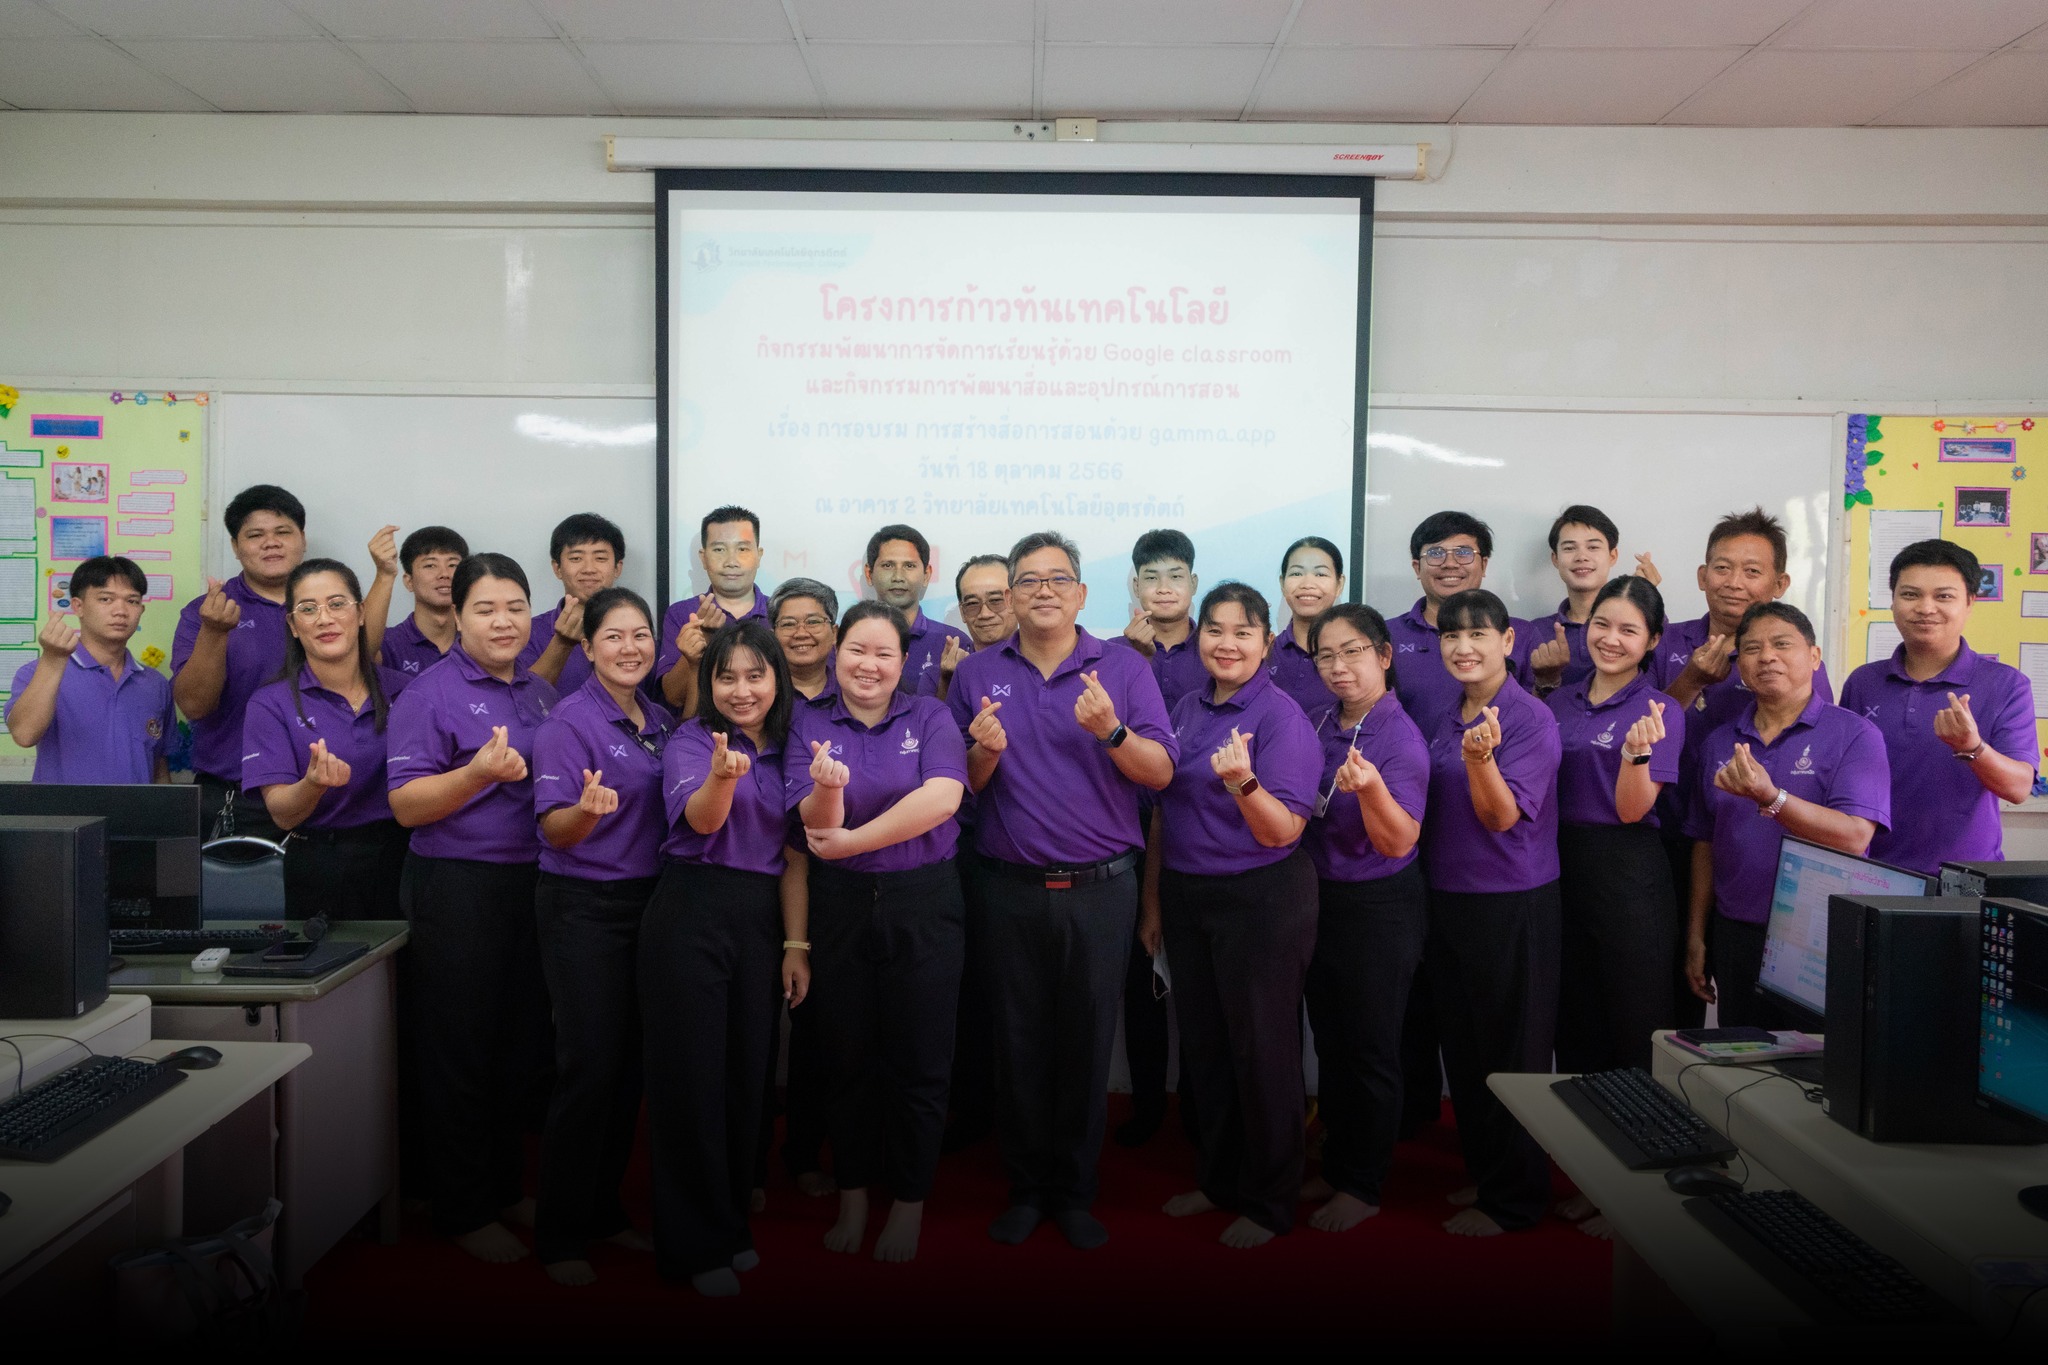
{"type": "Point", "coordinates": [1245, 788]}
{"type": "Point", "coordinates": [1117, 736]}
{"type": "Point", "coordinates": [1971, 757]}
{"type": "Point", "coordinates": [1636, 759]}
{"type": "Point", "coordinates": [1770, 812]}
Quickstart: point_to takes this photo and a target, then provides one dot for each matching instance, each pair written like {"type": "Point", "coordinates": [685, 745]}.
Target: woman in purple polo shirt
{"type": "Point", "coordinates": [313, 747]}
{"type": "Point", "coordinates": [1233, 894]}
{"type": "Point", "coordinates": [884, 776]}
{"type": "Point", "coordinates": [731, 890]}
{"type": "Point", "coordinates": [460, 738]}
{"type": "Point", "coordinates": [802, 612]}
{"type": "Point", "coordinates": [1311, 581]}
{"type": "Point", "coordinates": [1789, 763]}
{"type": "Point", "coordinates": [1622, 740]}
{"type": "Point", "coordinates": [1490, 853]}
{"type": "Point", "coordinates": [597, 794]}
{"type": "Point", "coordinates": [1372, 916]}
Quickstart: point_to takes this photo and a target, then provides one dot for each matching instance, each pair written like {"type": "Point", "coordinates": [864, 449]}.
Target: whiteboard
{"type": "Point", "coordinates": [1664, 477]}
{"type": "Point", "coordinates": [500, 470]}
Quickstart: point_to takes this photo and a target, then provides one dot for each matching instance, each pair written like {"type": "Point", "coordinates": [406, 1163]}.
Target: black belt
{"type": "Point", "coordinates": [1067, 878]}
{"type": "Point", "coordinates": [376, 832]}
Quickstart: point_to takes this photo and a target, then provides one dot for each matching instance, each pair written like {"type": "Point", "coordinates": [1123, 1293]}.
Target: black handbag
{"type": "Point", "coordinates": [213, 1290]}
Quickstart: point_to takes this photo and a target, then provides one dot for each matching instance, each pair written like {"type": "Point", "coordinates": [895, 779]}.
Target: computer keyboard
{"type": "Point", "coordinates": [188, 941]}
{"type": "Point", "coordinates": [1815, 1261]}
{"type": "Point", "coordinates": [69, 1109]}
{"type": "Point", "coordinates": [1641, 1122]}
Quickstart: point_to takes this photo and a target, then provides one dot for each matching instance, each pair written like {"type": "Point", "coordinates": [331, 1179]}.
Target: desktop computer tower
{"type": "Point", "coordinates": [1903, 996]}
{"type": "Point", "coordinates": [1999, 881]}
{"type": "Point", "coordinates": [53, 915]}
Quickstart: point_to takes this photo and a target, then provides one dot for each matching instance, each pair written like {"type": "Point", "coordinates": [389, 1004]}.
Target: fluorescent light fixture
{"type": "Point", "coordinates": [1393, 161]}
{"type": "Point", "coordinates": [1416, 449]}
{"type": "Point", "coordinates": [540, 426]}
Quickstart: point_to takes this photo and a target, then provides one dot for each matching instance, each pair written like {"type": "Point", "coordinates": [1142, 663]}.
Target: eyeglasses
{"type": "Point", "coordinates": [974, 606]}
{"type": "Point", "coordinates": [806, 622]}
{"type": "Point", "coordinates": [1059, 583]}
{"type": "Point", "coordinates": [337, 606]}
{"type": "Point", "coordinates": [1437, 554]}
{"type": "Point", "coordinates": [1349, 656]}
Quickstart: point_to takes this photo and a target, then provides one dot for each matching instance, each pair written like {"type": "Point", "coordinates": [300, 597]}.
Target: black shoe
{"type": "Point", "coordinates": [1141, 1126]}
{"type": "Point", "coordinates": [965, 1131]}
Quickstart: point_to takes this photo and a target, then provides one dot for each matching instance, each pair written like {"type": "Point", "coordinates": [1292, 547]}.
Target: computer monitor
{"type": "Point", "coordinates": [1795, 967]}
{"type": "Point", "coordinates": [2012, 1037]}
{"type": "Point", "coordinates": [153, 839]}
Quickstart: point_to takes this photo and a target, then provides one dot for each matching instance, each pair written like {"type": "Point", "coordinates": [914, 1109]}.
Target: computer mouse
{"type": "Point", "coordinates": [1700, 1180]}
{"type": "Point", "coordinates": [192, 1059]}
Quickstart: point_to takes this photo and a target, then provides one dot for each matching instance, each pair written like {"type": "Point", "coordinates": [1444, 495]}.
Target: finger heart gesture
{"type": "Point", "coordinates": [827, 771]}
{"type": "Point", "coordinates": [1484, 736]}
{"type": "Point", "coordinates": [727, 762]}
{"type": "Point", "coordinates": [1233, 762]}
{"type": "Point", "coordinates": [597, 799]}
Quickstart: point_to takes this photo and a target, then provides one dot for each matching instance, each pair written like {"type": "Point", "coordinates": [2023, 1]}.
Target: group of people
{"type": "Point", "coordinates": [625, 846]}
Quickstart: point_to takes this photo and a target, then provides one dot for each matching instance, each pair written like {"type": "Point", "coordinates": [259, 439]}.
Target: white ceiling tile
{"type": "Point", "coordinates": [1405, 23]}
{"type": "Point", "coordinates": [993, 21]}
{"type": "Point", "coordinates": [186, 18]}
{"type": "Point", "coordinates": [1664, 23]}
{"type": "Point", "coordinates": [1163, 82]}
{"type": "Point", "coordinates": [1149, 21]}
{"type": "Point", "coordinates": [84, 73]}
{"type": "Point", "coordinates": [1619, 86]}
{"type": "Point", "coordinates": [487, 78]}
{"type": "Point", "coordinates": [426, 18]}
{"type": "Point", "coordinates": [700, 78]}
{"type": "Point", "coordinates": [2008, 90]}
{"type": "Point", "coordinates": [27, 19]}
{"type": "Point", "coordinates": [925, 78]}
{"type": "Point", "coordinates": [1978, 25]}
{"type": "Point", "coordinates": [303, 77]}
{"type": "Point", "coordinates": [1374, 84]}
{"type": "Point", "coordinates": [1771, 88]}
{"type": "Point", "coordinates": [2036, 40]}
{"type": "Point", "coordinates": [693, 21]}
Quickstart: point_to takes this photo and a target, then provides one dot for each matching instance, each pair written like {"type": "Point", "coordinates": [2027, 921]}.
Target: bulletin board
{"type": "Point", "coordinates": [84, 474]}
{"type": "Point", "coordinates": [1981, 482]}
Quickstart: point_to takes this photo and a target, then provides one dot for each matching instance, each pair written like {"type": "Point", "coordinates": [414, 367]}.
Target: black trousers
{"type": "Point", "coordinates": [1735, 956]}
{"type": "Point", "coordinates": [1146, 1040]}
{"type": "Point", "coordinates": [1619, 914]}
{"type": "Point", "coordinates": [590, 950]}
{"type": "Point", "coordinates": [887, 953]}
{"type": "Point", "coordinates": [251, 815]}
{"type": "Point", "coordinates": [710, 960]}
{"type": "Point", "coordinates": [1687, 1009]}
{"type": "Point", "coordinates": [1422, 1062]}
{"type": "Point", "coordinates": [801, 1102]}
{"type": "Point", "coordinates": [1239, 947]}
{"type": "Point", "coordinates": [1055, 966]}
{"type": "Point", "coordinates": [973, 1093]}
{"type": "Point", "coordinates": [345, 874]}
{"type": "Point", "coordinates": [1492, 963]}
{"type": "Point", "coordinates": [1369, 938]}
{"type": "Point", "coordinates": [480, 1030]}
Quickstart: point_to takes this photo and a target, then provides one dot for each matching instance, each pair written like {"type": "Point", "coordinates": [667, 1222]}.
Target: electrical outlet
{"type": "Point", "coordinates": [1074, 129]}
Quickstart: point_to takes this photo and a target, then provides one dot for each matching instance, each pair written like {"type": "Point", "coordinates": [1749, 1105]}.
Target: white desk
{"type": "Point", "coordinates": [117, 1028]}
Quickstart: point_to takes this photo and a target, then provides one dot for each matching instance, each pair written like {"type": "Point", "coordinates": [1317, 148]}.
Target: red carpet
{"type": "Point", "coordinates": [1397, 1278]}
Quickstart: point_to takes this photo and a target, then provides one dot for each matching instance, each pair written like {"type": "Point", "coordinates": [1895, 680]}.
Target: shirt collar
{"type": "Point", "coordinates": [476, 672]}
{"type": "Point", "coordinates": [1564, 616]}
{"type": "Point", "coordinates": [899, 706]}
{"type": "Point", "coordinates": [1815, 704]}
{"type": "Point", "coordinates": [1284, 640]}
{"type": "Point", "coordinates": [1959, 672]}
{"type": "Point", "coordinates": [1385, 708]}
{"type": "Point", "coordinates": [1582, 691]}
{"type": "Point", "coordinates": [239, 589]}
{"type": "Point", "coordinates": [1414, 615]}
{"type": "Point", "coordinates": [1509, 691]}
{"type": "Point", "coordinates": [607, 705]}
{"type": "Point", "coordinates": [1243, 697]}
{"type": "Point", "coordinates": [1087, 649]}
{"type": "Point", "coordinates": [84, 659]}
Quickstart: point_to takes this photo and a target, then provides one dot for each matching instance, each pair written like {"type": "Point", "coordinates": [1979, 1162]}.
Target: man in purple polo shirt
{"type": "Point", "coordinates": [1449, 552]}
{"type": "Point", "coordinates": [1585, 545]}
{"type": "Point", "coordinates": [230, 642]}
{"type": "Point", "coordinates": [1788, 763]}
{"type": "Point", "coordinates": [428, 559]}
{"type": "Point", "coordinates": [1063, 732]}
{"type": "Point", "coordinates": [92, 714]}
{"type": "Point", "coordinates": [1958, 726]}
{"type": "Point", "coordinates": [982, 588]}
{"type": "Point", "coordinates": [587, 553]}
{"type": "Point", "coordinates": [899, 569]}
{"type": "Point", "coordinates": [729, 546]}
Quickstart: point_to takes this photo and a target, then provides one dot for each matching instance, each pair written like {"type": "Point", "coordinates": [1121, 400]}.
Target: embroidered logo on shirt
{"type": "Point", "coordinates": [153, 727]}
{"type": "Point", "coordinates": [1605, 739]}
{"type": "Point", "coordinates": [909, 742]}
{"type": "Point", "coordinates": [309, 722]}
{"type": "Point", "coordinates": [409, 666]}
{"type": "Point", "coordinates": [1870, 713]}
{"type": "Point", "coordinates": [477, 708]}
{"type": "Point", "coordinates": [1805, 764]}
{"type": "Point", "coordinates": [928, 661]}
{"type": "Point", "coordinates": [1409, 649]}
{"type": "Point", "coordinates": [621, 751]}
{"type": "Point", "coordinates": [999, 690]}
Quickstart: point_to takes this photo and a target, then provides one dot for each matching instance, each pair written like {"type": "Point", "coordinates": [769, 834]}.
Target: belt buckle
{"type": "Point", "coordinates": [1059, 881]}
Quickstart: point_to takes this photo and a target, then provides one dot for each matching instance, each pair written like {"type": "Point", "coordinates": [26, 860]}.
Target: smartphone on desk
{"type": "Point", "coordinates": [290, 950]}
{"type": "Point", "coordinates": [1701, 1037]}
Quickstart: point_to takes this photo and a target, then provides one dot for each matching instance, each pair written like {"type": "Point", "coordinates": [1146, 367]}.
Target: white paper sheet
{"type": "Point", "coordinates": [1891, 532]}
{"type": "Point", "coordinates": [2034, 663]}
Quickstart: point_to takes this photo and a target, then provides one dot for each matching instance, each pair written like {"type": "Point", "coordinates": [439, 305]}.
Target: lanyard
{"type": "Point", "coordinates": [651, 743]}
{"type": "Point", "coordinates": [1323, 802]}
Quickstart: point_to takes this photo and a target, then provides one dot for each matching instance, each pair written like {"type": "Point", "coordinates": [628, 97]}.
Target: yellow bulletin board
{"type": "Point", "coordinates": [84, 474]}
{"type": "Point", "coordinates": [1981, 482]}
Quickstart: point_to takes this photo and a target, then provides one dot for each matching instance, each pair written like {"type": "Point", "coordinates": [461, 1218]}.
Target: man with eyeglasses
{"type": "Point", "coordinates": [899, 569]}
{"type": "Point", "coordinates": [1449, 552]}
{"type": "Point", "coordinates": [1063, 732]}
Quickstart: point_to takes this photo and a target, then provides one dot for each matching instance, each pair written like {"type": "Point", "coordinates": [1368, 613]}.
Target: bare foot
{"type": "Point", "coordinates": [571, 1272]}
{"type": "Point", "coordinates": [1464, 1198]}
{"type": "Point", "coordinates": [1343, 1213]}
{"type": "Point", "coordinates": [845, 1234]}
{"type": "Point", "coordinates": [1577, 1207]}
{"type": "Point", "coordinates": [1193, 1202]}
{"type": "Point", "coordinates": [716, 1284]}
{"type": "Point", "coordinates": [1598, 1226]}
{"type": "Point", "coordinates": [519, 1214]}
{"type": "Point", "coordinates": [1315, 1188]}
{"type": "Point", "coordinates": [632, 1239]}
{"type": "Point", "coordinates": [898, 1241]}
{"type": "Point", "coordinates": [757, 1202]}
{"type": "Point", "coordinates": [493, 1242]}
{"type": "Point", "coordinates": [817, 1184]}
{"type": "Point", "coordinates": [1245, 1233]}
{"type": "Point", "coordinates": [1472, 1223]}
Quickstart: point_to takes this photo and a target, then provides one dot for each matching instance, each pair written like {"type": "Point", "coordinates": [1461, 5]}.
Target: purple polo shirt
{"type": "Point", "coordinates": [1592, 734]}
{"type": "Point", "coordinates": [575, 668]}
{"type": "Point", "coordinates": [588, 730]}
{"type": "Point", "coordinates": [1425, 686]}
{"type": "Point", "coordinates": [439, 724]}
{"type": "Point", "coordinates": [672, 625]}
{"type": "Point", "coordinates": [1291, 667]}
{"type": "Point", "coordinates": [757, 827]}
{"type": "Point", "coordinates": [1828, 756]}
{"type": "Point", "coordinates": [407, 649]}
{"type": "Point", "coordinates": [1056, 799]}
{"type": "Point", "coordinates": [255, 654]}
{"type": "Point", "coordinates": [1176, 668]}
{"type": "Point", "coordinates": [916, 741]}
{"type": "Point", "coordinates": [1957, 816]}
{"type": "Point", "coordinates": [1205, 833]}
{"type": "Point", "coordinates": [1458, 853]}
{"type": "Point", "coordinates": [105, 731]}
{"type": "Point", "coordinates": [1544, 628]}
{"type": "Point", "coordinates": [928, 638]}
{"type": "Point", "coordinates": [277, 745]}
{"type": "Point", "coordinates": [1389, 740]}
